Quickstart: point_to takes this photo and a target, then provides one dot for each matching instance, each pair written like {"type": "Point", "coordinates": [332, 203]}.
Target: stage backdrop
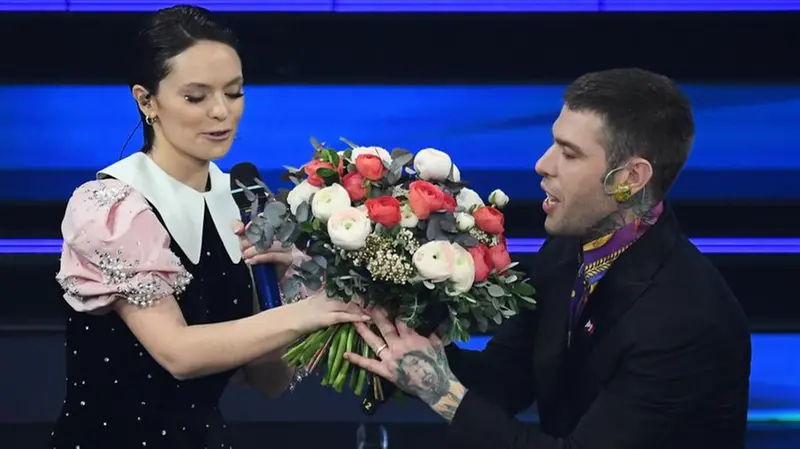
{"type": "Point", "coordinates": [56, 136]}
{"type": "Point", "coordinates": [412, 5]}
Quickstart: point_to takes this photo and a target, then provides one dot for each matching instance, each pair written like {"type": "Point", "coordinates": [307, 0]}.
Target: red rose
{"type": "Point", "coordinates": [311, 170]}
{"type": "Point", "coordinates": [449, 203]}
{"type": "Point", "coordinates": [370, 166]}
{"type": "Point", "coordinates": [482, 260]}
{"type": "Point", "coordinates": [354, 184]}
{"type": "Point", "coordinates": [341, 167]}
{"type": "Point", "coordinates": [384, 210]}
{"type": "Point", "coordinates": [424, 198]}
{"type": "Point", "coordinates": [500, 257]}
{"type": "Point", "coordinates": [489, 219]}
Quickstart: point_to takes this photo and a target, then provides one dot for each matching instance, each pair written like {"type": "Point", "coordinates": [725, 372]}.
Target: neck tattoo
{"type": "Point", "coordinates": [629, 211]}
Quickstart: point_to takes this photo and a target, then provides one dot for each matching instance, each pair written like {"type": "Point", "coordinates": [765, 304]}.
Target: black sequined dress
{"type": "Point", "coordinates": [119, 397]}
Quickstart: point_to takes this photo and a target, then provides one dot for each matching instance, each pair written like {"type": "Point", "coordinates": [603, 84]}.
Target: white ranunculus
{"type": "Point", "coordinates": [464, 221]}
{"type": "Point", "coordinates": [498, 198]}
{"type": "Point", "coordinates": [434, 260]}
{"type": "Point", "coordinates": [328, 201]}
{"type": "Point", "coordinates": [469, 199]}
{"type": "Point", "coordinates": [463, 270]}
{"type": "Point", "coordinates": [348, 228]}
{"type": "Point", "coordinates": [362, 208]}
{"type": "Point", "coordinates": [408, 218]}
{"type": "Point", "coordinates": [456, 174]}
{"type": "Point", "coordinates": [375, 151]}
{"type": "Point", "coordinates": [432, 164]}
{"type": "Point", "coordinates": [300, 193]}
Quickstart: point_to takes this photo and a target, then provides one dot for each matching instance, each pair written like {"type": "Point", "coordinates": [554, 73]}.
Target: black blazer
{"type": "Point", "coordinates": [666, 365]}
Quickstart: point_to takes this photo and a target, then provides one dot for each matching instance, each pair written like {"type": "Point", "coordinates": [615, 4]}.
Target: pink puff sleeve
{"type": "Point", "coordinates": [115, 247]}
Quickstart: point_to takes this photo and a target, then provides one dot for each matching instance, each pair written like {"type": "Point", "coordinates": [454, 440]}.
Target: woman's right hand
{"type": "Point", "coordinates": [320, 311]}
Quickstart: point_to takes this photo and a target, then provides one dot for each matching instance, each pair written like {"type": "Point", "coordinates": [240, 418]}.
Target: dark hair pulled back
{"type": "Point", "coordinates": [166, 34]}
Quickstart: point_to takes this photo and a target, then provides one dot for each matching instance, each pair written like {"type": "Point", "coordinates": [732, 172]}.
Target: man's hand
{"type": "Point", "coordinates": [417, 365]}
{"type": "Point", "coordinates": [277, 255]}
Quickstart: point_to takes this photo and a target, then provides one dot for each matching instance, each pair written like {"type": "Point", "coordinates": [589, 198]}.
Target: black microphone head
{"type": "Point", "coordinates": [244, 176]}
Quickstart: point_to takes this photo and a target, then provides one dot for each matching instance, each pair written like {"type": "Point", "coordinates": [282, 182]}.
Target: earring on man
{"type": "Point", "coordinates": [623, 193]}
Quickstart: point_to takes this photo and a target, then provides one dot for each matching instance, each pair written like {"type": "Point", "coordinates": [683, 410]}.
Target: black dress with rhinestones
{"type": "Point", "coordinates": [118, 396]}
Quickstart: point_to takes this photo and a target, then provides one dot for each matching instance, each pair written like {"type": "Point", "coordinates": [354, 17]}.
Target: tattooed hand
{"type": "Point", "coordinates": [417, 365]}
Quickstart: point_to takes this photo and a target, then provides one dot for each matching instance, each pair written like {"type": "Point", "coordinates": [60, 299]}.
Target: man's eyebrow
{"type": "Point", "coordinates": [568, 144]}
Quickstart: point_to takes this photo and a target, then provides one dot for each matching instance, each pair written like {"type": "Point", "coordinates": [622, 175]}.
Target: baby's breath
{"type": "Point", "coordinates": [484, 237]}
{"type": "Point", "coordinates": [386, 259]}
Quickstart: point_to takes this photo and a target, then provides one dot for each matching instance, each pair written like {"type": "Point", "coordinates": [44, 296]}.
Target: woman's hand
{"type": "Point", "coordinates": [281, 258]}
{"type": "Point", "coordinates": [319, 311]}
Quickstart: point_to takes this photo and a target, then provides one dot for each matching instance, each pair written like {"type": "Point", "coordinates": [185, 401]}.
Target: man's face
{"type": "Point", "coordinates": [573, 169]}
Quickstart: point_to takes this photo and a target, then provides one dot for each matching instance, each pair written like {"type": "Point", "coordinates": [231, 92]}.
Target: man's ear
{"type": "Point", "coordinates": [639, 174]}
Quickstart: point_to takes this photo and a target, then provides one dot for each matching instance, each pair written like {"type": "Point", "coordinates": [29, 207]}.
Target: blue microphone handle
{"type": "Point", "coordinates": [266, 280]}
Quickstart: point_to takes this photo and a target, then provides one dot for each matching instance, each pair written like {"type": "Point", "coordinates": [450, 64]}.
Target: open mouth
{"type": "Point", "coordinates": [550, 200]}
{"type": "Point", "coordinates": [218, 135]}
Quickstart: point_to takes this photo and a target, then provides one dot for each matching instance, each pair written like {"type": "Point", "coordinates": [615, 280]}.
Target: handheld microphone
{"type": "Point", "coordinates": [264, 275]}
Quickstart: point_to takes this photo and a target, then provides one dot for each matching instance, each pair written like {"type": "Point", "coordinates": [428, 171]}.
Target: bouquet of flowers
{"type": "Point", "coordinates": [393, 230]}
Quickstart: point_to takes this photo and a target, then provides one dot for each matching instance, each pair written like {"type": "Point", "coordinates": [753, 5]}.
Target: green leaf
{"type": "Point", "coordinates": [496, 290]}
{"type": "Point", "coordinates": [333, 158]}
{"type": "Point", "coordinates": [326, 173]}
{"type": "Point", "coordinates": [523, 289]}
{"type": "Point", "coordinates": [307, 227]}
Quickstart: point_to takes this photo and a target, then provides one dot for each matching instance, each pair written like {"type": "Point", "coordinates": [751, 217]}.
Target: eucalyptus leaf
{"type": "Point", "coordinates": [265, 242]}
{"type": "Point", "coordinates": [448, 223]}
{"type": "Point", "coordinates": [524, 289]}
{"type": "Point", "coordinates": [247, 192]}
{"type": "Point", "coordinates": [311, 267]}
{"type": "Point", "coordinates": [303, 212]}
{"type": "Point", "coordinates": [497, 318]}
{"type": "Point", "coordinates": [528, 299]}
{"type": "Point", "coordinates": [315, 143]}
{"type": "Point", "coordinates": [283, 194]}
{"type": "Point", "coordinates": [348, 154]}
{"type": "Point", "coordinates": [401, 160]}
{"type": "Point", "coordinates": [291, 169]}
{"type": "Point", "coordinates": [466, 240]}
{"type": "Point", "coordinates": [291, 288]}
{"type": "Point", "coordinates": [285, 231]}
{"type": "Point", "coordinates": [510, 279]}
{"type": "Point", "coordinates": [313, 283]}
{"type": "Point", "coordinates": [321, 261]}
{"type": "Point", "coordinates": [275, 212]}
{"type": "Point", "coordinates": [349, 143]}
{"type": "Point", "coordinates": [495, 290]}
{"type": "Point", "coordinates": [264, 187]}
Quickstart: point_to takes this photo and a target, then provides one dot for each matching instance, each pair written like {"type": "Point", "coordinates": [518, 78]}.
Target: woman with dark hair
{"type": "Point", "coordinates": [160, 293]}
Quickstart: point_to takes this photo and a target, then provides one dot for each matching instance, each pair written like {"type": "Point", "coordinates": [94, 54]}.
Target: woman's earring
{"type": "Point", "coordinates": [150, 120]}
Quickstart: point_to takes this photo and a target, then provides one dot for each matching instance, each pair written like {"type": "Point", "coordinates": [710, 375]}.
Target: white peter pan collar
{"type": "Point", "coordinates": [181, 207]}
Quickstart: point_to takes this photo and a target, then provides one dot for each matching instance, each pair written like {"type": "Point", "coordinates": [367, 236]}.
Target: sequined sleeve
{"type": "Point", "coordinates": [115, 247]}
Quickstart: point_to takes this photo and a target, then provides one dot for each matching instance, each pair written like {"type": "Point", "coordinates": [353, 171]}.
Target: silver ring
{"type": "Point", "coordinates": [381, 348]}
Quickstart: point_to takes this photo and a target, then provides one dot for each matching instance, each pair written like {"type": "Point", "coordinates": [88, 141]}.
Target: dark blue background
{"type": "Point", "coordinates": [56, 136]}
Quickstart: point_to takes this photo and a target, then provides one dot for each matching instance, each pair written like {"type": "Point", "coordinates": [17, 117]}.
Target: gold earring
{"type": "Point", "coordinates": [622, 193]}
{"type": "Point", "coordinates": [150, 120]}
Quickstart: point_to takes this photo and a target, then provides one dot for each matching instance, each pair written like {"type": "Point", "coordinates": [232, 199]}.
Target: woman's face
{"type": "Point", "coordinates": [199, 104]}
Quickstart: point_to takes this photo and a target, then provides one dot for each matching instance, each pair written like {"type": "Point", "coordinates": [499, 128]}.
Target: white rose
{"type": "Point", "coordinates": [362, 208]}
{"type": "Point", "coordinates": [349, 228]}
{"type": "Point", "coordinates": [299, 194]}
{"type": "Point", "coordinates": [456, 174]}
{"type": "Point", "coordinates": [469, 199]}
{"type": "Point", "coordinates": [432, 164]}
{"type": "Point", "coordinates": [463, 270]}
{"type": "Point", "coordinates": [434, 260]}
{"type": "Point", "coordinates": [375, 151]}
{"type": "Point", "coordinates": [408, 218]}
{"type": "Point", "coordinates": [328, 201]}
{"type": "Point", "coordinates": [464, 221]}
{"type": "Point", "coordinates": [498, 198]}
